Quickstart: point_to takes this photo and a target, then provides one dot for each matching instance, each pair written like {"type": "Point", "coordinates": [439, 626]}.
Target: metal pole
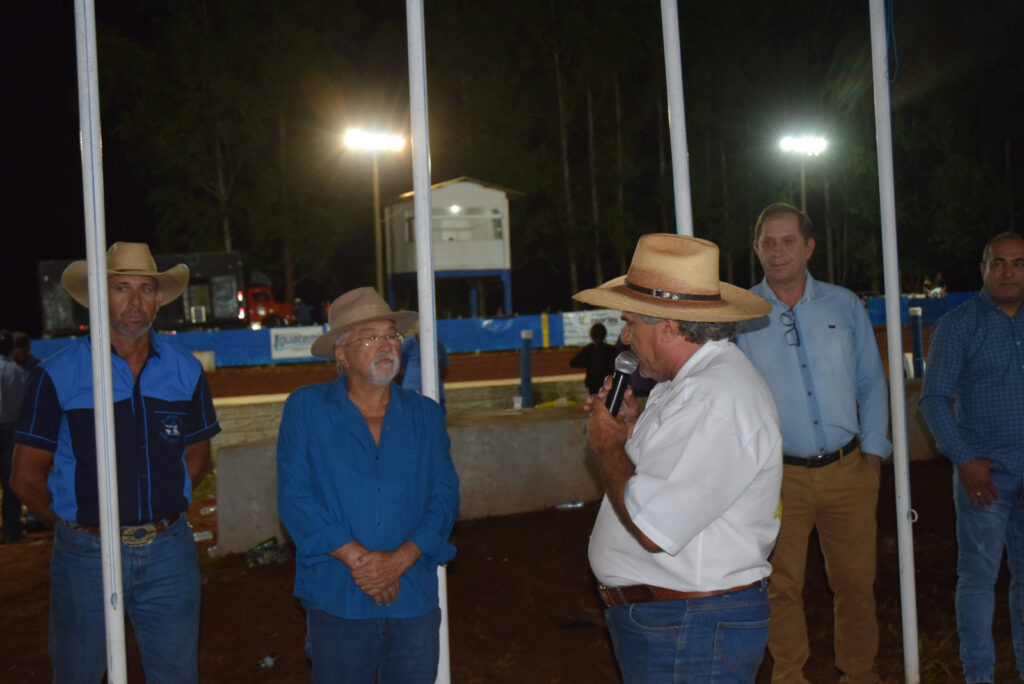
{"type": "Point", "coordinates": [897, 394]}
{"type": "Point", "coordinates": [676, 116]}
{"type": "Point", "coordinates": [803, 187]}
{"type": "Point", "coordinates": [526, 368]}
{"type": "Point", "coordinates": [425, 259]}
{"type": "Point", "coordinates": [378, 228]}
{"type": "Point", "coordinates": [99, 322]}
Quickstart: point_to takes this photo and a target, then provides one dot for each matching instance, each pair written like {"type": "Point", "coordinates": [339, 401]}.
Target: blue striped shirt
{"type": "Point", "coordinates": [973, 391]}
{"type": "Point", "coordinates": [156, 416]}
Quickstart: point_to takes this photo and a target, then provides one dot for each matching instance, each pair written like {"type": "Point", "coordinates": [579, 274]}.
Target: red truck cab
{"type": "Point", "coordinates": [265, 311]}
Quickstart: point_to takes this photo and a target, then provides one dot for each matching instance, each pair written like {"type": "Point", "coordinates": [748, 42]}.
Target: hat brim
{"type": "Point", "coordinates": [736, 304]}
{"type": "Point", "coordinates": [323, 346]}
{"type": "Point", "coordinates": [172, 282]}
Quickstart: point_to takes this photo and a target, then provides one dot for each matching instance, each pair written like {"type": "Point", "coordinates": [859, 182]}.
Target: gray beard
{"type": "Point", "coordinates": [380, 378]}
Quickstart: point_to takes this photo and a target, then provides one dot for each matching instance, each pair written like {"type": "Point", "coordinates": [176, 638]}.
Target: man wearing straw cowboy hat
{"type": "Point", "coordinates": [818, 354]}
{"type": "Point", "coordinates": [681, 542]}
{"type": "Point", "coordinates": [368, 492]}
{"type": "Point", "coordinates": [163, 422]}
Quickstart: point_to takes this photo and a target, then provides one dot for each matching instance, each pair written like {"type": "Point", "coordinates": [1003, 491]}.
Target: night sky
{"type": "Point", "coordinates": [44, 192]}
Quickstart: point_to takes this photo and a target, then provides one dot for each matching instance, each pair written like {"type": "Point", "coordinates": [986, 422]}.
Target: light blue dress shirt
{"type": "Point", "coordinates": [973, 391]}
{"type": "Point", "coordinates": [830, 387]}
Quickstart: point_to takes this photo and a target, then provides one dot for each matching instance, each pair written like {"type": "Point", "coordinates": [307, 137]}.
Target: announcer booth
{"type": "Point", "coordinates": [470, 223]}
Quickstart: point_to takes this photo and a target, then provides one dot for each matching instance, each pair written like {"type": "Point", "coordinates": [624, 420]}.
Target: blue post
{"type": "Point", "coordinates": [473, 310]}
{"type": "Point", "coordinates": [917, 340]}
{"type": "Point", "coordinates": [525, 372]}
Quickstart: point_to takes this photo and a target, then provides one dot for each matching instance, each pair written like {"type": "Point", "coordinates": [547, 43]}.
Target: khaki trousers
{"type": "Point", "coordinates": [840, 500]}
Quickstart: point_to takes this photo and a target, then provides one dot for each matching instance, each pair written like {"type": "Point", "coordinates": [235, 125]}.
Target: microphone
{"type": "Point", "coordinates": [625, 366]}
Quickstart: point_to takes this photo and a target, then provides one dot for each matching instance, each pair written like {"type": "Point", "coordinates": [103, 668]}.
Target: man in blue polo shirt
{"type": "Point", "coordinates": [973, 400]}
{"type": "Point", "coordinates": [368, 492]}
{"type": "Point", "coordinates": [163, 422]}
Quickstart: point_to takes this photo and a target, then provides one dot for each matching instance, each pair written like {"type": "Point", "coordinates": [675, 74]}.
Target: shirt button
{"type": "Point", "coordinates": [815, 422]}
{"type": "Point", "coordinates": [809, 394]}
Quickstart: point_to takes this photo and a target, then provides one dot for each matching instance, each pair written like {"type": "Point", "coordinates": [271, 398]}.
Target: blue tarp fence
{"type": "Point", "coordinates": [244, 347]}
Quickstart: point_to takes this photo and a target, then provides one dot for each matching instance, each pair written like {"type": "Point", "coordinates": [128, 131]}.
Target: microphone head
{"type": "Point", "coordinates": [625, 362]}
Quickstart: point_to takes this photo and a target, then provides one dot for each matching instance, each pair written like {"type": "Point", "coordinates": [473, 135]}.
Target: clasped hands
{"type": "Point", "coordinates": [378, 573]}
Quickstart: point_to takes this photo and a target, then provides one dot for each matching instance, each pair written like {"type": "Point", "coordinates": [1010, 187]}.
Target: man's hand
{"type": "Point", "coordinates": [977, 480]}
{"type": "Point", "coordinates": [378, 573]}
{"type": "Point", "coordinates": [604, 433]}
{"type": "Point", "coordinates": [874, 461]}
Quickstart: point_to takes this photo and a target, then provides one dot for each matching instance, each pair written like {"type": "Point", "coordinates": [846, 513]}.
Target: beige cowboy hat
{"type": "Point", "coordinates": [676, 277]}
{"type": "Point", "coordinates": [360, 305]}
{"type": "Point", "coordinates": [126, 258]}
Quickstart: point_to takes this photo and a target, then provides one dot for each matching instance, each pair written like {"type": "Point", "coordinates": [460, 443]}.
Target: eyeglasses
{"type": "Point", "coordinates": [394, 338]}
{"type": "Point", "coordinates": [791, 334]}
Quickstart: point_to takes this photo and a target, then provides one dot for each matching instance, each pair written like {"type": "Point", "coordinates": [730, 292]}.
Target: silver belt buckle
{"type": "Point", "coordinates": [140, 535]}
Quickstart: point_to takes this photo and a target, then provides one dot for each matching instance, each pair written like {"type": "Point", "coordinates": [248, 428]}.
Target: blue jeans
{"type": "Point", "coordinates": [160, 596]}
{"type": "Point", "coordinates": [707, 640]}
{"type": "Point", "coordinates": [981, 533]}
{"type": "Point", "coordinates": [382, 650]}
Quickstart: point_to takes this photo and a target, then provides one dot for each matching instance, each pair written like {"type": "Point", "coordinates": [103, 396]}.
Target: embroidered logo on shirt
{"type": "Point", "coordinates": [172, 428]}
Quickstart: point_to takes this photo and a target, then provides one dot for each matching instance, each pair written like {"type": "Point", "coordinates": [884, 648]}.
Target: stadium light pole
{"type": "Point", "coordinates": [375, 142]}
{"type": "Point", "coordinates": [803, 146]}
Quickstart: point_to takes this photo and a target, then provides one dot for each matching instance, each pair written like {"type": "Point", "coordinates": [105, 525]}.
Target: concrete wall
{"type": "Point", "coordinates": [509, 461]}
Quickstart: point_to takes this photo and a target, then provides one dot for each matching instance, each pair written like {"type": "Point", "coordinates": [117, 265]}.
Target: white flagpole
{"type": "Point", "coordinates": [95, 241]}
{"type": "Point", "coordinates": [676, 116]}
{"type": "Point", "coordinates": [425, 258]}
{"type": "Point", "coordinates": [897, 392]}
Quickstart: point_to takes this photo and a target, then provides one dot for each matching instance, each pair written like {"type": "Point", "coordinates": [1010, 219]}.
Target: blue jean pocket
{"type": "Point", "coordinates": [739, 648]}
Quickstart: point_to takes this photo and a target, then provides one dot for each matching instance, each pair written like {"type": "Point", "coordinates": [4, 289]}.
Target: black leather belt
{"type": "Point", "coordinates": [821, 459]}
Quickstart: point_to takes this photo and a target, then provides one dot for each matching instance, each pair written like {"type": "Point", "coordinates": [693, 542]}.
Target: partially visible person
{"type": "Point", "coordinates": [22, 351]}
{"type": "Point", "coordinates": [938, 286]}
{"type": "Point", "coordinates": [412, 371]}
{"type": "Point", "coordinates": [163, 422]}
{"type": "Point", "coordinates": [303, 312]}
{"type": "Point", "coordinates": [681, 542]}
{"type": "Point", "coordinates": [12, 389]}
{"type": "Point", "coordinates": [598, 358]}
{"type": "Point", "coordinates": [368, 492]}
{"type": "Point", "coordinates": [973, 400]}
{"type": "Point", "coordinates": [817, 352]}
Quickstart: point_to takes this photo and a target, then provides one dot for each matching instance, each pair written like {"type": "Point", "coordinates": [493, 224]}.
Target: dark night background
{"type": "Point", "coordinates": [222, 117]}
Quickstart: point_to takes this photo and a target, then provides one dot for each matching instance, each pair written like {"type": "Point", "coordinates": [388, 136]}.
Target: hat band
{"type": "Point", "coordinates": [675, 296]}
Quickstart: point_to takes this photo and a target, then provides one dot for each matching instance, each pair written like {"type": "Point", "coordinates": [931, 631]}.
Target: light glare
{"type": "Point", "coordinates": [373, 141]}
{"type": "Point", "coordinates": [810, 145]}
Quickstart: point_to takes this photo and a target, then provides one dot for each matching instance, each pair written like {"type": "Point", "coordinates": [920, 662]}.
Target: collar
{"type": "Point", "coordinates": [811, 291]}
{"type": "Point", "coordinates": [991, 304]}
{"type": "Point", "coordinates": [338, 392]}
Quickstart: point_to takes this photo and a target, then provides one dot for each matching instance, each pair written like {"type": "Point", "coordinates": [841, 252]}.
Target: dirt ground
{"type": "Point", "coordinates": [521, 599]}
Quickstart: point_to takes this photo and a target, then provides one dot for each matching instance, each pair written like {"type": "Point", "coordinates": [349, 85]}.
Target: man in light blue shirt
{"type": "Point", "coordinates": [973, 400]}
{"type": "Point", "coordinates": [817, 352]}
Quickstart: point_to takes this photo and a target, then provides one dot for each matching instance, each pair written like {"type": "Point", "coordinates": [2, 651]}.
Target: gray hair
{"type": "Point", "coordinates": [339, 341]}
{"type": "Point", "coordinates": [699, 332]}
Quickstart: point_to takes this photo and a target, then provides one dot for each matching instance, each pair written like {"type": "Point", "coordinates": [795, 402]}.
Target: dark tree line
{"type": "Point", "coordinates": [226, 114]}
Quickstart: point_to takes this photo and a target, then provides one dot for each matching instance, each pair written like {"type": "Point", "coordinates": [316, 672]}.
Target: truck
{"type": "Point", "coordinates": [216, 297]}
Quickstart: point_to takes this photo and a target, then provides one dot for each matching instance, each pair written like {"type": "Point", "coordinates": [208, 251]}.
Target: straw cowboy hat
{"type": "Point", "coordinates": [126, 258]}
{"type": "Point", "coordinates": [676, 277]}
{"type": "Point", "coordinates": [360, 305]}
